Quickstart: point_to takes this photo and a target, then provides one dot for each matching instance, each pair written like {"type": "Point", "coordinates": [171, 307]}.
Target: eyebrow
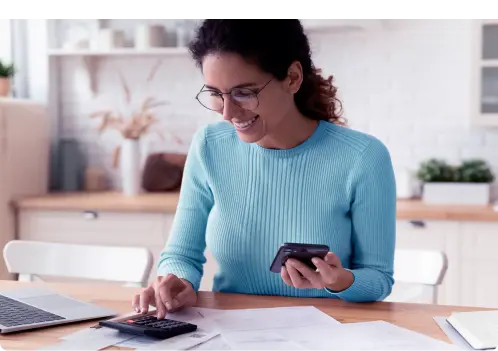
{"type": "Point", "coordinates": [243, 85]}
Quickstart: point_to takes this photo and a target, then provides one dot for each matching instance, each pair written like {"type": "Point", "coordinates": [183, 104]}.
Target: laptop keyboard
{"type": "Point", "coordinates": [14, 313]}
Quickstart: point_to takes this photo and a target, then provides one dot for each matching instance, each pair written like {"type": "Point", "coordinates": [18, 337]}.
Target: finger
{"type": "Point", "coordinates": [135, 303]}
{"type": "Point", "coordinates": [161, 308]}
{"type": "Point", "coordinates": [285, 276]}
{"type": "Point", "coordinates": [186, 297]}
{"type": "Point", "coordinates": [328, 273]}
{"type": "Point", "coordinates": [146, 299]}
{"type": "Point", "coordinates": [333, 260]}
{"type": "Point", "coordinates": [312, 276]}
{"type": "Point", "coordinates": [166, 291]}
{"type": "Point", "coordinates": [297, 280]}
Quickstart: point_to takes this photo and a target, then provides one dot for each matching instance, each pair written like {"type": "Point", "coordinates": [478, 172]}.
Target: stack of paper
{"type": "Point", "coordinates": [289, 328]}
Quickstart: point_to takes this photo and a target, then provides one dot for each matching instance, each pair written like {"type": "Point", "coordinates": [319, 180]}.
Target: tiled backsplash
{"type": "Point", "coordinates": [408, 84]}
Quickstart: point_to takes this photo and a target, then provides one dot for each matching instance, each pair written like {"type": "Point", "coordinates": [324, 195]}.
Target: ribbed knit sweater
{"type": "Point", "coordinates": [243, 201]}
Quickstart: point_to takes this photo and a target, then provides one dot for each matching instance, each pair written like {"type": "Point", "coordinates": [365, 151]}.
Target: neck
{"type": "Point", "coordinates": [294, 131]}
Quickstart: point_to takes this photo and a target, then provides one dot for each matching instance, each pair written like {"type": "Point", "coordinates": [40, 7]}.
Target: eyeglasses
{"type": "Point", "coordinates": [245, 98]}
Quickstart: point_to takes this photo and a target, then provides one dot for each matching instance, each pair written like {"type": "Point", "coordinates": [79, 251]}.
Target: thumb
{"type": "Point", "coordinates": [186, 297]}
{"type": "Point", "coordinates": [333, 260]}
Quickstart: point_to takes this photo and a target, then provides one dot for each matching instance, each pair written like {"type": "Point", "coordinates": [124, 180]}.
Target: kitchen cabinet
{"type": "Point", "coordinates": [485, 72]}
{"type": "Point", "coordinates": [118, 228]}
{"type": "Point", "coordinates": [470, 246]}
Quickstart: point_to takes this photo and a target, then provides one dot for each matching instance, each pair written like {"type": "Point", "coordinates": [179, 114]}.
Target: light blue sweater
{"type": "Point", "coordinates": [243, 201]}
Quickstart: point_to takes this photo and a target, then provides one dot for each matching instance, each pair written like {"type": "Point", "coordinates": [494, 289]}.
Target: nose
{"type": "Point", "coordinates": [230, 109]}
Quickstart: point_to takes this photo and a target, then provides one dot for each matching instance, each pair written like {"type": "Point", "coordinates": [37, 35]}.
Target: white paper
{"type": "Point", "coordinates": [89, 339]}
{"type": "Point", "coordinates": [452, 334]}
{"type": "Point", "coordinates": [138, 342]}
{"type": "Point", "coordinates": [216, 343]}
{"type": "Point", "coordinates": [271, 318]}
{"type": "Point", "coordinates": [378, 335]}
{"type": "Point", "coordinates": [258, 340]}
{"type": "Point", "coordinates": [182, 342]}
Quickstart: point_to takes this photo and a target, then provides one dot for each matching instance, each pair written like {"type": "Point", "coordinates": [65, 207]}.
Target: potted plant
{"type": "Point", "coordinates": [6, 73]}
{"type": "Point", "coordinates": [466, 183]}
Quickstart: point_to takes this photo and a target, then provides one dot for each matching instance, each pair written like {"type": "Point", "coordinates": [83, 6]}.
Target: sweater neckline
{"type": "Point", "coordinates": [312, 140]}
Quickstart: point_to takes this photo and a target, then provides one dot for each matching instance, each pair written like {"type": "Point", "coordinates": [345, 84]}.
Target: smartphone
{"type": "Point", "coordinates": [301, 252]}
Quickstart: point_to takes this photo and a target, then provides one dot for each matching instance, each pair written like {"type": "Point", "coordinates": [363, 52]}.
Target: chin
{"type": "Point", "coordinates": [249, 138]}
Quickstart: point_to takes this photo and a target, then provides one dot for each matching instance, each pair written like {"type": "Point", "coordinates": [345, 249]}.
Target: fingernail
{"type": "Point", "coordinates": [137, 309]}
{"type": "Point", "coordinates": [314, 260]}
{"type": "Point", "coordinates": [168, 305]}
{"type": "Point", "coordinates": [175, 303]}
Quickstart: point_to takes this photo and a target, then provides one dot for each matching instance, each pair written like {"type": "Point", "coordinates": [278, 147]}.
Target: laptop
{"type": "Point", "coordinates": [34, 307]}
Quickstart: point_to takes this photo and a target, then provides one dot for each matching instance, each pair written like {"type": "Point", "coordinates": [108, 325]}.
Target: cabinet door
{"type": "Point", "coordinates": [479, 279]}
{"type": "Point", "coordinates": [485, 85]}
{"type": "Point", "coordinates": [435, 235]}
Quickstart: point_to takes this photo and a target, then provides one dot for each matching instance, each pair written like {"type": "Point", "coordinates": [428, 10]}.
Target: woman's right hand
{"type": "Point", "coordinates": [167, 294]}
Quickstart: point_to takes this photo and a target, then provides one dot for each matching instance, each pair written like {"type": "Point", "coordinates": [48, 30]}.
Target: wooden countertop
{"type": "Point", "coordinates": [166, 202]}
{"type": "Point", "coordinates": [416, 317]}
{"type": "Point", "coordinates": [102, 201]}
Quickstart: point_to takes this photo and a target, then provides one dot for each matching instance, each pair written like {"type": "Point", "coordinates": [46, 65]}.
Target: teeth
{"type": "Point", "coordinates": [245, 124]}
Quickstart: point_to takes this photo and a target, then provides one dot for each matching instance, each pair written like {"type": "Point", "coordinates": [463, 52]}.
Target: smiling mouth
{"type": "Point", "coordinates": [245, 125]}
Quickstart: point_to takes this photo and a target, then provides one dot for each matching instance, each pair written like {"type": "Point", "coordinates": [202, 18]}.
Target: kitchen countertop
{"type": "Point", "coordinates": [101, 201]}
{"type": "Point", "coordinates": [167, 202]}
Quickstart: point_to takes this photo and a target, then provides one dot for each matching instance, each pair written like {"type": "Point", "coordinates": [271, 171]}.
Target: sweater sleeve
{"type": "Point", "coordinates": [183, 254]}
{"type": "Point", "coordinates": [373, 216]}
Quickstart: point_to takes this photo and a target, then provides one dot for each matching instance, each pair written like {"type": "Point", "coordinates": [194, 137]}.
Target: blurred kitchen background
{"type": "Point", "coordinates": [427, 88]}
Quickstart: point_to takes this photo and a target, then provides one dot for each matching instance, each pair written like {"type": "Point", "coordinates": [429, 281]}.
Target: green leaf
{"type": "Point", "coordinates": [6, 70]}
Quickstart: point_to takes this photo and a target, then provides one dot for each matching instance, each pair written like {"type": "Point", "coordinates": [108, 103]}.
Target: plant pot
{"type": "Point", "coordinates": [456, 193]}
{"type": "Point", "coordinates": [130, 167]}
{"type": "Point", "coordinates": [4, 86]}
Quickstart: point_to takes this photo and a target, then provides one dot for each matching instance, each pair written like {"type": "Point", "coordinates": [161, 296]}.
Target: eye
{"type": "Point", "coordinates": [242, 94]}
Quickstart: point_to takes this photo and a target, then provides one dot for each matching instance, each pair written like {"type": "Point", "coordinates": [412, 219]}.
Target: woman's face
{"type": "Point", "coordinates": [255, 102]}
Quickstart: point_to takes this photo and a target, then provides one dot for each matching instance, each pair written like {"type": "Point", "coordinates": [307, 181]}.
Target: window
{"type": "Point", "coordinates": [5, 40]}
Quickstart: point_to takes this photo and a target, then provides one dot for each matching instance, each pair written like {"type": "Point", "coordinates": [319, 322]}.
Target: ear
{"type": "Point", "coordinates": [295, 77]}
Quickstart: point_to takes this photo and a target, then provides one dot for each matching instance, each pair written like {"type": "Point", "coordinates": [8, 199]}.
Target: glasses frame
{"type": "Point", "coordinates": [256, 92]}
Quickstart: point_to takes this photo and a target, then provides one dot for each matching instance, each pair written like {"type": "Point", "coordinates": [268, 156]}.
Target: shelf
{"type": "Point", "coordinates": [91, 58]}
{"type": "Point", "coordinates": [166, 51]}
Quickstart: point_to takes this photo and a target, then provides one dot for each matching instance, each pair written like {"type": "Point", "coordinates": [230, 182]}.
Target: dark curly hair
{"type": "Point", "coordinates": [273, 45]}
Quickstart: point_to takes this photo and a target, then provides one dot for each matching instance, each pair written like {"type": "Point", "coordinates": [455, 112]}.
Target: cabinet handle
{"type": "Point", "coordinates": [418, 224]}
{"type": "Point", "coordinates": [90, 215]}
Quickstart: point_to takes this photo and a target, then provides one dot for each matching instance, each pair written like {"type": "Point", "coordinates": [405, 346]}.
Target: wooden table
{"type": "Point", "coordinates": [411, 316]}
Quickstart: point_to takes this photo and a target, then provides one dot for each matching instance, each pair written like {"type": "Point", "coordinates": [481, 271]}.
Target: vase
{"type": "Point", "coordinates": [129, 161]}
{"type": "Point", "coordinates": [4, 86]}
{"type": "Point", "coordinates": [442, 193]}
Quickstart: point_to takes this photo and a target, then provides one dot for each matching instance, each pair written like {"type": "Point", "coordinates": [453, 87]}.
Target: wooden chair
{"type": "Point", "coordinates": [32, 259]}
{"type": "Point", "coordinates": [418, 274]}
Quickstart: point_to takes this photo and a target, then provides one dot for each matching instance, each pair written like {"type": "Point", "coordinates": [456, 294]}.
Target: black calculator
{"type": "Point", "coordinates": [149, 325]}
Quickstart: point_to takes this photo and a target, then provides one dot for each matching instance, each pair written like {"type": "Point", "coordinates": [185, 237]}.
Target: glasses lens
{"type": "Point", "coordinates": [211, 100]}
{"type": "Point", "coordinates": [244, 98]}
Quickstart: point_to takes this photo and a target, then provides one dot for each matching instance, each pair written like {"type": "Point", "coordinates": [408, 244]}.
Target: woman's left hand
{"type": "Point", "coordinates": [329, 274]}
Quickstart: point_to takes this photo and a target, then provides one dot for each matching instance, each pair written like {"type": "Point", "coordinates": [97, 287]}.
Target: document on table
{"type": "Point", "coordinates": [378, 335]}
{"type": "Point", "coordinates": [271, 318]}
{"type": "Point", "coordinates": [89, 339]}
{"type": "Point", "coordinates": [452, 334]}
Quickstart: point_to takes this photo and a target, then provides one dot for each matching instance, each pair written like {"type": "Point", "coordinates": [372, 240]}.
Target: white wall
{"type": "Point", "coordinates": [408, 84]}
{"type": "Point", "coordinates": [5, 40]}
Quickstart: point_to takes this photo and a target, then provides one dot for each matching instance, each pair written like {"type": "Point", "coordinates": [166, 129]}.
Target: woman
{"type": "Point", "coordinates": [281, 167]}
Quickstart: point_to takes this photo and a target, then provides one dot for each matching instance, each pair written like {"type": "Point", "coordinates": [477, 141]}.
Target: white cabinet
{"type": "Point", "coordinates": [484, 89]}
{"type": "Point", "coordinates": [471, 248]}
{"type": "Point", "coordinates": [24, 155]}
{"type": "Point", "coordinates": [435, 235]}
{"type": "Point", "coordinates": [149, 229]}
